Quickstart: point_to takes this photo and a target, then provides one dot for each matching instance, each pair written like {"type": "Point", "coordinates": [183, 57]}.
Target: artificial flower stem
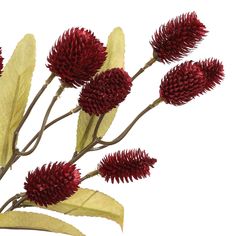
{"type": "Point", "coordinates": [40, 134]}
{"type": "Point", "coordinates": [15, 197]}
{"type": "Point", "coordinates": [95, 133]}
{"type": "Point", "coordinates": [141, 70]}
{"type": "Point", "coordinates": [89, 175]}
{"type": "Point", "coordinates": [16, 133]}
{"type": "Point", "coordinates": [89, 147]}
{"type": "Point", "coordinates": [38, 95]}
{"type": "Point", "coordinates": [75, 110]}
{"type": "Point", "coordinates": [17, 203]}
{"type": "Point", "coordinates": [129, 127]}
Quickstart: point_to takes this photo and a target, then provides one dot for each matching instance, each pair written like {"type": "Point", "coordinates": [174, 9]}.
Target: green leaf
{"type": "Point", "coordinates": [15, 85]}
{"type": "Point", "coordinates": [86, 202]}
{"type": "Point", "coordinates": [87, 123]}
{"type": "Point", "coordinates": [35, 221]}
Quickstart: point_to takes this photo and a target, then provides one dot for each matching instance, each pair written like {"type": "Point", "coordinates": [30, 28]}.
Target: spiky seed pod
{"type": "Point", "coordinates": [52, 183]}
{"type": "Point", "coordinates": [177, 38]}
{"type": "Point", "coordinates": [1, 61]}
{"type": "Point", "coordinates": [182, 83]}
{"type": "Point", "coordinates": [126, 165]}
{"type": "Point", "coordinates": [213, 71]}
{"type": "Point", "coordinates": [76, 56]}
{"type": "Point", "coordinates": [106, 91]}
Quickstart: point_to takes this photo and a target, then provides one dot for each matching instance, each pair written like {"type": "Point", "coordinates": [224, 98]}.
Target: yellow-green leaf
{"type": "Point", "coordinates": [86, 202]}
{"type": "Point", "coordinates": [35, 221]}
{"type": "Point", "coordinates": [14, 90]}
{"type": "Point", "coordinates": [87, 123]}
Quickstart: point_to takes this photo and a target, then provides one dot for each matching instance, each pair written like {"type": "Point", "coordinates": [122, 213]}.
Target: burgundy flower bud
{"type": "Point", "coordinates": [177, 38]}
{"type": "Point", "coordinates": [182, 83]}
{"type": "Point", "coordinates": [106, 91]}
{"type": "Point", "coordinates": [52, 184]}
{"type": "Point", "coordinates": [76, 56]}
{"type": "Point", "coordinates": [213, 71]}
{"type": "Point", "coordinates": [1, 61]}
{"type": "Point", "coordinates": [126, 166]}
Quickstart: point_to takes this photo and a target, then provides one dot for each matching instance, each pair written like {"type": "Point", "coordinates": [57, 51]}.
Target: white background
{"type": "Point", "coordinates": [191, 190]}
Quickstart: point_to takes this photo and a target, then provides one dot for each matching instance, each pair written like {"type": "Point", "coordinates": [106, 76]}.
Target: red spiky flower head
{"type": "Point", "coordinates": [213, 71]}
{"type": "Point", "coordinates": [1, 61]}
{"type": "Point", "coordinates": [76, 56]}
{"type": "Point", "coordinates": [106, 91]}
{"type": "Point", "coordinates": [126, 166]}
{"type": "Point", "coordinates": [52, 183]}
{"type": "Point", "coordinates": [182, 83]}
{"type": "Point", "coordinates": [177, 38]}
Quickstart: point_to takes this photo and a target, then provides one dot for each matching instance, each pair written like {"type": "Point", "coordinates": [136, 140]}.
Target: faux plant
{"type": "Point", "coordinates": [82, 62]}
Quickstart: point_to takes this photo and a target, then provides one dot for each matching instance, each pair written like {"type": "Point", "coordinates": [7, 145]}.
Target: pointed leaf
{"type": "Point", "coordinates": [35, 221]}
{"type": "Point", "coordinates": [15, 85]}
{"type": "Point", "coordinates": [87, 123]}
{"type": "Point", "coordinates": [86, 202]}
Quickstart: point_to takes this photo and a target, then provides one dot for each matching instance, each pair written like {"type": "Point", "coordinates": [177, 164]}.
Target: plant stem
{"type": "Point", "coordinates": [16, 133]}
{"type": "Point", "coordinates": [75, 110]}
{"type": "Point", "coordinates": [38, 95]}
{"type": "Point", "coordinates": [141, 70]}
{"type": "Point", "coordinates": [89, 175]}
{"type": "Point", "coordinates": [77, 156]}
{"type": "Point", "coordinates": [95, 133]}
{"type": "Point", "coordinates": [17, 196]}
{"type": "Point", "coordinates": [129, 127]}
{"type": "Point", "coordinates": [40, 134]}
{"type": "Point", "coordinates": [17, 203]}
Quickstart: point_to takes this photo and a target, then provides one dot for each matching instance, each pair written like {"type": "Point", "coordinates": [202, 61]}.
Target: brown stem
{"type": "Point", "coordinates": [16, 133]}
{"type": "Point", "coordinates": [58, 93]}
{"type": "Point", "coordinates": [75, 110]}
{"type": "Point", "coordinates": [129, 127]}
{"type": "Point", "coordinates": [89, 175]}
{"type": "Point", "coordinates": [95, 133]}
{"type": "Point", "coordinates": [17, 196]}
{"type": "Point", "coordinates": [77, 156]}
{"type": "Point", "coordinates": [29, 109]}
{"type": "Point", "coordinates": [141, 70]}
{"type": "Point", "coordinates": [17, 203]}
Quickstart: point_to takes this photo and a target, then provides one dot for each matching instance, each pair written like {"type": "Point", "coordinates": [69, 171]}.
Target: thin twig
{"type": "Point", "coordinates": [58, 93]}
{"type": "Point", "coordinates": [141, 70]}
{"type": "Point", "coordinates": [77, 156]}
{"type": "Point", "coordinates": [17, 203]}
{"type": "Point", "coordinates": [129, 127]}
{"type": "Point", "coordinates": [15, 197]}
{"type": "Point", "coordinates": [89, 175]}
{"type": "Point", "coordinates": [16, 133]}
{"type": "Point", "coordinates": [75, 110]}
{"type": "Point", "coordinates": [29, 109]}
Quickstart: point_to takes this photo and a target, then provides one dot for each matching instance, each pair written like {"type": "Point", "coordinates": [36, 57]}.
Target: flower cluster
{"type": "Point", "coordinates": [106, 91]}
{"type": "Point", "coordinates": [52, 183]}
{"type": "Point", "coordinates": [177, 38]}
{"type": "Point", "coordinates": [76, 56]}
{"type": "Point", "coordinates": [190, 79]}
{"type": "Point", "coordinates": [126, 165]}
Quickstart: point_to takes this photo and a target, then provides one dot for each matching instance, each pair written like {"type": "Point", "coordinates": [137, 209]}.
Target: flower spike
{"type": "Point", "coordinates": [76, 56]}
{"type": "Point", "coordinates": [177, 38]}
{"type": "Point", "coordinates": [106, 91]}
{"type": "Point", "coordinates": [182, 83]}
{"type": "Point", "coordinates": [52, 183]}
{"type": "Point", "coordinates": [126, 166]}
